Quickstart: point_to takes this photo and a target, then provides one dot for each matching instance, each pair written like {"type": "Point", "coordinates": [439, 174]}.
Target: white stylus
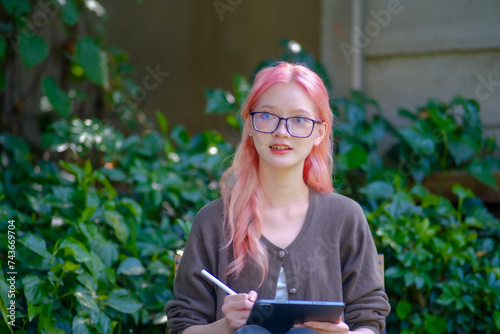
{"type": "Point", "coordinates": [216, 281]}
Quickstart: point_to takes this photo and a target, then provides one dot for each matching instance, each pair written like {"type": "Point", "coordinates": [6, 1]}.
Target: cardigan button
{"type": "Point", "coordinates": [293, 291]}
{"type": "Point", "coordinates": [281, 254]}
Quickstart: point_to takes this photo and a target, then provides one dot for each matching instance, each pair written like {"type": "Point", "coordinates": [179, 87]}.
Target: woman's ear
{"type": "Point", "coordinates": [248, 126]}
{"type": "Point", "coordinates": [321, 133]}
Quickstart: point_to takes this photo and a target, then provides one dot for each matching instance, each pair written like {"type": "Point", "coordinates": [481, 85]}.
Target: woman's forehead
{"type": "Point", "coordinates": [286, 97]}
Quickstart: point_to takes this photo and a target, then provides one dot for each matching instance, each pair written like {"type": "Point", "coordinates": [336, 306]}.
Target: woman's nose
{"type": "Point", "coordinates": [281, 130]}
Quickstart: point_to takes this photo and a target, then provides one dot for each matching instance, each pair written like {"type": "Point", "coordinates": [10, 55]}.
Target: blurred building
{"type": "Point", "coordinates": [401, 52]}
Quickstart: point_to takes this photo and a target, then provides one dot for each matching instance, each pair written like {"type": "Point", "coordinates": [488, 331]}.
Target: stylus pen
{"type": "Point", "coordinates": [217, 282]}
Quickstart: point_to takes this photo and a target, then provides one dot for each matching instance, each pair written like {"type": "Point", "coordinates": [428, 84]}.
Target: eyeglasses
{"type": "Point", "coordinates": [298, 126]}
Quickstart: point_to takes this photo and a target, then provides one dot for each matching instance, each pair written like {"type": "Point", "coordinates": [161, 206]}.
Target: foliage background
{"type": "Point", "coordinates": [102, 203]}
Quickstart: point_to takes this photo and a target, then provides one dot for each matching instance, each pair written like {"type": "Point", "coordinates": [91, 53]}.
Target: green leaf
{"type": "Point", "coordinates": [80, 326]}
{"type": "Point", "coordinates": [394, 272]}
{"type": "Point", "coordinates": [4, 300]}
{"type": "Point", "coordinates": [403, 309]}
{"type": "Point", "coordinates": [441, 120]}
{"type": "Point", "coordinates": [70, 266]}
{"type": "Point", "coordinates": [408, 114]}
{"type": "Point", "coordinates": [35, 243]}
{"type": "Point", "coordinates": [434, 324]}
{"type": "Point", "coordinates": [462, 192]}
{"type": "Point", "coordinates": [33, 49]}
{"type": "Point", "coordinates": [460, 150]}
{"type": "Point", "coordinates": [217, 101]}
{"type": "Point", "coordinates": [46, 322]}
{"type": "Point", "coordinates": [378, 190]}
{"type": "Point", "coordinates": [115, 220]}
{"type": "Point", "coordinates": [34, 311]}
{"type": "Point", "coordinates": [483, 172]}
{"type": "Point", "coordinates": [77, 71]}
{"type": "Point", "coordinates": [95, 265]}
{"type": "Point", "coordinates": [180, 136]}
{"type": "Point", "coordinates": [92, 199]}
{"type": "Point", "coordinates": [73, 169]}
{"type": "Point", "coordinates": [94, 61]}
{"type": "Point", "coordinates": [131, 266]}
{"type": "Point", "coordinates": [57, 97]}
{"type": "Point", "coordinates": [241, 88]}
{"type": "Point", "coordinates": [233, 121]}
{"type": "Point", "coordinates": [39, 205]}
{"type": "Point", "coordinates": [76, 248]}
{"type": "Point", "coordinates": [84, 297]}
{"type": "Point", "coordinates": [87, 214]}
{"type": "Point", "coordinates": [71, 15]}
{"type": "Point", "coordinates": [87, 281]}
{"type": "Point", "coordinates": [417, 142]}
{"type": "Point", "coordinates": [35, 289]}
{"type": "Point", "coordinates": [105, 249]}
{"type": "Point", "coordinates": [105, 182]}
{"type": "Point", "coordinates": [430, 200]}
{"type": "Point", "coordinates": [16, 8]}
{"type": "Point", "coordinates": [102, 322]}
{"type": "Point", "coordinates": [354, 157]}
{"type": "Point", "coordinates": [355, 114]}
{"type": "Point", "coordinates": [134, 207]}
{"type": "Point", "coordinates": [419, 281]}
{"type": "Point", "coordinates": [122, 301]}
{"type": "Point", "coordinates": [496, 318]}
{"type": "Point", "coordinates": [162, 122]}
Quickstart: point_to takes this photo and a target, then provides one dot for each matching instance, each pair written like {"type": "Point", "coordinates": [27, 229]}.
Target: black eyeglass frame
{"type": "Point", "coordinates": [252, 113]}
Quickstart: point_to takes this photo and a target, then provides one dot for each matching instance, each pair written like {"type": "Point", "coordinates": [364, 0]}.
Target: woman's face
{"type": "Point", "coordinates": [279, 149]}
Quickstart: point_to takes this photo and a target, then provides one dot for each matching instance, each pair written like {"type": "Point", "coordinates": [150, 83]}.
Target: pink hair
{"type": "Point", "coordinates": [240, 185]}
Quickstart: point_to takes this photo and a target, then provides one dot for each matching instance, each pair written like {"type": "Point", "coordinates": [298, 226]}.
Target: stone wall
{"type": "Point", "coordinates": [416, 50]}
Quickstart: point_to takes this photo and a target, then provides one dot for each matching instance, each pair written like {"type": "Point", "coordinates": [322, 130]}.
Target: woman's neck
{"type": "Point", "coordinates": [281, 189]}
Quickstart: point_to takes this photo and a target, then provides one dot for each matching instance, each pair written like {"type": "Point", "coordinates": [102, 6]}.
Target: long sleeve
{"type": "Point", "coordinates": [365, 299]}
{"type": "Point", "coordinates": [195, 300]}
{"type": "Point", "coordinates": [332, 259]}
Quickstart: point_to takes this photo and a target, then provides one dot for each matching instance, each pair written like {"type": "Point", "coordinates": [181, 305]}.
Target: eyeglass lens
{"type": "Point", "coordinates": [296, 126]}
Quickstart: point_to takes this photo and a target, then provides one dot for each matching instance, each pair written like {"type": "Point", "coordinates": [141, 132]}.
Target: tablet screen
{"type": "Point", "coordinates": [279, 316]}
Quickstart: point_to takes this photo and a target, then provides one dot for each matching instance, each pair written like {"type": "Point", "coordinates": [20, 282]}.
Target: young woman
{"type": "Point", "coordinates": [279, 231]}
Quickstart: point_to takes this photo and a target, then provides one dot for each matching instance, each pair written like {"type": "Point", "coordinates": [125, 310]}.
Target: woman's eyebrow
{"type": "Point", "coordinates": [297, 112]}
{"type": "Point", "coordinates": [303, 112]}
{"type": "Point", "coordinates": [267, 106]}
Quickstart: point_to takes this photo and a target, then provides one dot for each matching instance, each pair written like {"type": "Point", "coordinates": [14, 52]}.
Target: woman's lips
{"type": "Point", "coordinates": [280, 147]}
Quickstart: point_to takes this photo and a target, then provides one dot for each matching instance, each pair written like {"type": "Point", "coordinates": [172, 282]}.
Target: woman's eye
{"type": "Point", "coordinates": [266, 116]}
{"type": "Point", "coordinates": [299, 120]}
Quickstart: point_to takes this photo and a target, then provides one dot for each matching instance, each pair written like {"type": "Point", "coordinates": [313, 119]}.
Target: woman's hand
{"type": "Point", "coordinates": [237, 308]}
{"type": "Point", "coordinates": [329, 327]}
{"type": "Point", "coordinates": [326, 327]}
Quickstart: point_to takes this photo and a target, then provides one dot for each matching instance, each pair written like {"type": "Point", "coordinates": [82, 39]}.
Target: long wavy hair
{"type": "Point", "coordinates": [241, 188]}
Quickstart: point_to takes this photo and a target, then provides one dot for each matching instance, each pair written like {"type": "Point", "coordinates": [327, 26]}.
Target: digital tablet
{"type": "Point", "coordinates": [279, 316]}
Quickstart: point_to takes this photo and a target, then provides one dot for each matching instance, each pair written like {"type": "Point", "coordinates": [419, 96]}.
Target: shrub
{"type": "Point", "coordinates": [443, 260]}
{"type": "Point", "coordinates": [94, 246]}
